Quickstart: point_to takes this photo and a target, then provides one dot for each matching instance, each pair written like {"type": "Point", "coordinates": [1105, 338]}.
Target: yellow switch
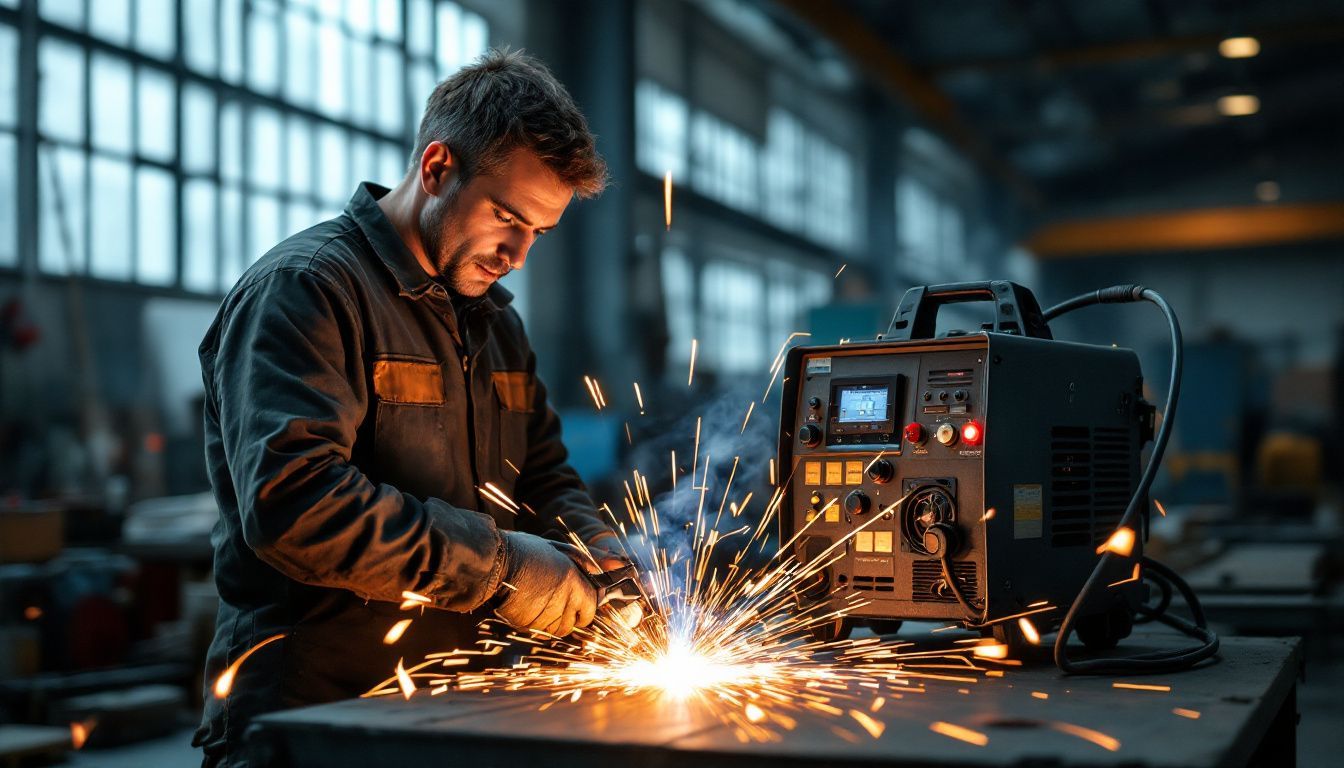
{"type": "Point", "coordinates": [863, 541]}
{"type": "Point", "coordinates": [853, 473]}
{"type": "Point", "coordinates": [881, 541]}
{"type": "Point", "coordinates": [812, 472]}
{"type": "Point", "coordinates": [835, 473]}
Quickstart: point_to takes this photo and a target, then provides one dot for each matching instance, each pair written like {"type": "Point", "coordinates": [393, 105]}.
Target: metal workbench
{"type": "Point", "coordinates": [1246, 701]}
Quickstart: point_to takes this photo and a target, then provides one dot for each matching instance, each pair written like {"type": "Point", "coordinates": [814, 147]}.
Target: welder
{"type": "Point", "coordinates": [363, 380]}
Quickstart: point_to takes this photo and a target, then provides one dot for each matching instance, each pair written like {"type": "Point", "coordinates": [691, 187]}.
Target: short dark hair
{"type": "Point", "coordinates": [504, 101]}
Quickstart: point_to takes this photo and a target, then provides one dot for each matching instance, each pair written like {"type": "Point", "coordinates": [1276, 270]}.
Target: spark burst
{"type": "Point", "coordinates": [729, 634]}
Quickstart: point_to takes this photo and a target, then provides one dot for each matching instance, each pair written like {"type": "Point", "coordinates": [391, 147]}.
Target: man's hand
{"type": "Point", "coordinates": [549, 592]}
{"type": "Point", "coordinates": [598, 560]}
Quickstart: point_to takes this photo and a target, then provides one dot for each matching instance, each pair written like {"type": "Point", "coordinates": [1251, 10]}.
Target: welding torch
{"type": "Point", "coordinates": [622, 592]}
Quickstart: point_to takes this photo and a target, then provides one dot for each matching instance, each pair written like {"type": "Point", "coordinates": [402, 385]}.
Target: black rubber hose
{"type": "Point", "coordinates": [1161, 661]}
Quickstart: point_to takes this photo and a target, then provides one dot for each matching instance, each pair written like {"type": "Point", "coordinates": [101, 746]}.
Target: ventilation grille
{"type": "Point", "coordinates": [926, 582]}
{"type": "Point", "coordinates": [875, 583]}
{"type": "Point", "coordinates": [949, 377]}
{"type": "Point", "coordinates": [1091, 479]}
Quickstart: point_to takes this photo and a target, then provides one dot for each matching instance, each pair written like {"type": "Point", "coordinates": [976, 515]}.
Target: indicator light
{"type": "Point", "coordinates": [972, 433]}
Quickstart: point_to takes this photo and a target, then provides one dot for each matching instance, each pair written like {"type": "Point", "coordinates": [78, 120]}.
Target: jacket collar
{"type": "Point", "coordinates": [412, 281]}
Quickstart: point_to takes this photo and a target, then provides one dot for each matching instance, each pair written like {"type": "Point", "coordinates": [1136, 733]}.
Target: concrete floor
{"type": "Point", "coordinates": [1320, 739]}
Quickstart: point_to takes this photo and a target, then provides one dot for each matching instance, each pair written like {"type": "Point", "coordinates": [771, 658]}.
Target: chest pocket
{"type": "Point", "coordinates": [516, 391]}
{"type": "Point", "coordinates": [410, 428]}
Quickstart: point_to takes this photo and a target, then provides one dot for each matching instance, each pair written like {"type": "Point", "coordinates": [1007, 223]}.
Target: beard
{"type": "Point", "coordinates": [452, 256]}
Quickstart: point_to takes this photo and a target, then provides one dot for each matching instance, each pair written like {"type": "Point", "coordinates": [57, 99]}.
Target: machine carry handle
{"type": "Point", "coordinates": [1015, 309]}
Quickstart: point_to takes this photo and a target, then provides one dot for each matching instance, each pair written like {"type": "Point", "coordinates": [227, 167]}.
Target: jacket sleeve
{"type": "Point", "coordinates": [548, 484]}
{"type": "Point", "coordinates": [288, 382]}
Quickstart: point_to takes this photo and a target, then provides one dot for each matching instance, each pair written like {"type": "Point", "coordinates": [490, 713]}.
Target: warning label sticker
{"type": "Point", "coordinates": [819, 365]}
{"type": "Point", "coordinates": [1028, 514]}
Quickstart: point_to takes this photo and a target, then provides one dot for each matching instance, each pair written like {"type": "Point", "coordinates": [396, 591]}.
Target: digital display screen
{"type": "Point", "coordinates": [863, 403]}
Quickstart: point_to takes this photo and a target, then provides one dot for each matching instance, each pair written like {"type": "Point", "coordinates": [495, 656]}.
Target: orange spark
{"type": "Point", "coordinates": [991, 651]}
{"type": "Point", "coordinates": [667, 199]}
{"type": "Point", "coordinates": [79, 732]}
{"type": "Point", "coordinates": [225, 681]}
{"type": "Point", "coordinates": [32, 613]}
{"type": "Point", "coordinates": [1121, 542]}
{"type": "Point", "coordinates": [1161, 509]}
{"type": "Point", "coordinates": [639, 398]}
{"type": "Point", "coordinates": [877, 704]}
{"type": "Point", "coordinates": [1134, 577]}
{"type": "Point", "coordinates": [838, 271]}
{"type": "Point", "coordinates": [404, 680]}
{"type": "Point", "coordinates": [989, 515]}
{"type": "Point", "coordinates": [1193, 714]}
{"type": "Point", "coordinates": [595, 390]}
{"type": "Point", "coordinates": [747, 418]}
{"type": "Point", "coordinates": [754, 713]}
{"type": "Point", "coordinates": [872, 726]}
{"type": "Point", "coordinates": [1029, 631]}
{"type": "Point", "coordinates": [691, 374]}
{"type": "Point", "coordinates": [1087, 734]}
{"type": "Point", "coordinates": [394, 634]}
{"type": "Point", "coordinates": [411, 600]}
{"type": "Point", "coordinates": [1040, 695]}
{"type": "Point", "coordinates": [492, 492]}
{"type": "Point", "coordinates": [1142, 687]}
{"type": "Point", "coordinates": [957, 732]}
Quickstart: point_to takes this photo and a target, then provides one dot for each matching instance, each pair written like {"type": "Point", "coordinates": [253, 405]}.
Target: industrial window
{"type": "Point", "coordinates": [678, 276]}
{"type": "Point", "coordinates": [9, 157]}
{"type": "Point", "coordinates": [808, 182]}
{"type": "Point", "coordinates": [179, 171]}
{"type": "Point", "coordinates": [797, 180]}
{"type": "Point", "coordinates": [930, 223]}
{"type": "Point", "coordinates": [661, 123]}
{"type": "Point", "coordinates": [930, 229]}
{"type": "Point", "coordinates": [732, 311]}
{"type": "Point", "coordinates": [741, 307]}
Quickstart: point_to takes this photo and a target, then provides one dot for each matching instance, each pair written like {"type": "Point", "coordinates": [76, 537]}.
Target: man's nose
{"type": "Point", "coordinates": [515, 250]}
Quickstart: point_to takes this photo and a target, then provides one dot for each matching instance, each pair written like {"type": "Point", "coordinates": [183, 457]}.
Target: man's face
{"type": "Point", "coordinates": [477, 232]}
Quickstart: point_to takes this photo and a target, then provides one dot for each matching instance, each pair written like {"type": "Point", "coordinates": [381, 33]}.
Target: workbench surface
{"type": "Point", "coordinates": [1246, 706]}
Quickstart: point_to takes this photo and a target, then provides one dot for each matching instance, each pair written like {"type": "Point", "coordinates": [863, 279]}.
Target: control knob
{"type": "Point", "coordinates": [810, 435]}
{"type": "Point", "coordinates": [857, 503]}
{"type": "Point", "coordinates": [881, 471]}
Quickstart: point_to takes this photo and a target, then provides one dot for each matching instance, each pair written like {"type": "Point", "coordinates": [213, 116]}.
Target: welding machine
{"type": "Point", "coordinates": [971, 476]}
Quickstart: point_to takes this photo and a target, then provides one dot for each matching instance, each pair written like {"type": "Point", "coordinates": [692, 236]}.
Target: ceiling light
{"type": "Point", "coordinates": [1239, 47]}
{"type": "Point", "coordinates": [1238, 105]}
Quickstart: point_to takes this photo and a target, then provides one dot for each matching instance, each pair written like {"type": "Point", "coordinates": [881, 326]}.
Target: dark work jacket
{"type": "Point", "coordinates": [349, 421]}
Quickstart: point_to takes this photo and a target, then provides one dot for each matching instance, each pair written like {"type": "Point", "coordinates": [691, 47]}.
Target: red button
{"type": "Point", "coordinates": [971, 433]}
{"type": "Point", "coordinates": [914, 433]}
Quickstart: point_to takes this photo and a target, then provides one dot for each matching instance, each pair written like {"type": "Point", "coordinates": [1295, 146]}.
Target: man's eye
{"type": "Point", "coordinates": [503, 219]}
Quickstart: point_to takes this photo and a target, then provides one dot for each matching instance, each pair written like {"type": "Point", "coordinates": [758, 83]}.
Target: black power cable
{"type": "Point", "coordinates": [1159, 661]}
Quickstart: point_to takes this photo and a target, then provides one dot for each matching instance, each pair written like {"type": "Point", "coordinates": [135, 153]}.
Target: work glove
{"type": "Point", "coordinates": [599, 559]}
{"type": "Point", "coordinates": [549, 591]}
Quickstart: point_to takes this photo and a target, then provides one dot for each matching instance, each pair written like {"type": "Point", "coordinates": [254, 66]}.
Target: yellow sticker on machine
{"type": "Point", "coordinates": [1028, 514]}
{"type": "Point", "coordinates": [853, 473]}
{"type": "Point", "coordinates": [835, 473]}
